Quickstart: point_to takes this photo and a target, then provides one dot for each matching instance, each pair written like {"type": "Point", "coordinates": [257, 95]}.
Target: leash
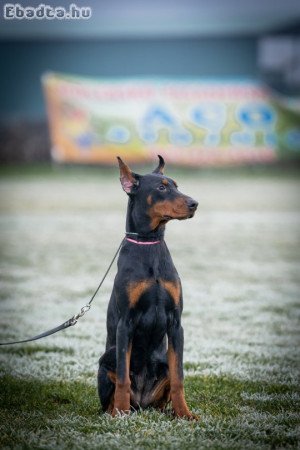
{"type": "Point", "coordinates": [73, 320]}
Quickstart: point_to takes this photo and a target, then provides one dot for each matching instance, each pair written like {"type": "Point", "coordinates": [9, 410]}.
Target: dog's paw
{"type": "Point", "coordinates": [194, 417]}
{"type": "Point", "coordinates": [187, 415]}
{"type": "Point", "coordinates": [116, 412]}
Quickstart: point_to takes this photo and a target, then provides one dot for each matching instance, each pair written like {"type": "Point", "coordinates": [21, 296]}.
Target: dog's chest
{"type": "Point", "coordinates": [158, 294]}
{"type": "Point", "coordinates": [152, 312]}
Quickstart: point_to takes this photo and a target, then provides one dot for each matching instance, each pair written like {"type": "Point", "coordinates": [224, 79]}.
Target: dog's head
{"type": "Point", "coordinates": [155, 196]}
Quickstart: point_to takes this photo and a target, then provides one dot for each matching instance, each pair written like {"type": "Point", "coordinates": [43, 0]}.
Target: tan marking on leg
{"type": "Point", "coordinates": [136, 289]}
{"type": "Point", "coordinates": [122, 391]}
{"type": "Point", "coordinates": [161, 394]}
{"type": "Point", "coordinates": [112, 376]}
{"type": "Point", "coordinates": [173, 288]}
{"type": "Point", "coordinates": [177, 391]}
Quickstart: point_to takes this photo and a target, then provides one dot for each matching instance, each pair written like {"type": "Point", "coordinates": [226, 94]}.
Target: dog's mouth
{"type": "Point", "coordinates": [163, 212]}
{"type": "Point", "coordinates": [188, 215]}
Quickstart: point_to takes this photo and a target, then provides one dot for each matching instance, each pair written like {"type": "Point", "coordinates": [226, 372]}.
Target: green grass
{"type": "Point", "coordinates": [56, 171]}
{"type": "Point", "coordinates": [28, 350]}
{"type": "Point", "coordinates": [64, 414]}
{"type": "Point", "coordinates": [240, 273]}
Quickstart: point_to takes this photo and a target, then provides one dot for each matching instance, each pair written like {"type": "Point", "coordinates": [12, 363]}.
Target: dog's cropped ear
{"type": "Point", "coordinates": [161, 165]}
{"type": "Point", "coordinates": [129, 180]}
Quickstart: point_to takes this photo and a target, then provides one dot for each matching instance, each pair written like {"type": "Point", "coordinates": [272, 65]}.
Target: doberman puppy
{"type": "Point", "coordinates": [142, 364]}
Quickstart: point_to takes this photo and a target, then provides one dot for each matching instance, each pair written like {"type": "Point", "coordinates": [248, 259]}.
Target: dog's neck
{"type": "Point", "coordinates": [138, 225]}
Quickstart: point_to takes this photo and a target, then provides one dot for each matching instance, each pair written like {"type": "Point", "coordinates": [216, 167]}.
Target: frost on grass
{"type": "Point", "coordinates": [238, 260]}
{"type": "Point", "coordinates": [239, 264]}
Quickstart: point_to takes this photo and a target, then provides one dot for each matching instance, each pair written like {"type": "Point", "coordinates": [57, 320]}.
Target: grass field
{"type": "Point", "coordinates": [239, 262]}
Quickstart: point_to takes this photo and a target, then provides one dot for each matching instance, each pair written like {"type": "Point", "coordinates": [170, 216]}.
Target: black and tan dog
{"type": "Point", "coordinates": [142, 364]}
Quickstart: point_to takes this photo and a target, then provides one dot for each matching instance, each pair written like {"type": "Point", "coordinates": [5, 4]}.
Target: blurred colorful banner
{"type": "Point", "coordinates": [191, 122]}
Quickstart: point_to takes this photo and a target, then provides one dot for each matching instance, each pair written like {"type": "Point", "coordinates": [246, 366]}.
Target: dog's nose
{"type": "Point", "coordinates": [192, 204]}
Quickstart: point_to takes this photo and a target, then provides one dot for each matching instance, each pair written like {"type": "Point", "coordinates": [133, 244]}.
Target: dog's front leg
{"type": "Point", "coordinates": [175, 356]}
{"type": "Point", "coordinates": [122, 390]}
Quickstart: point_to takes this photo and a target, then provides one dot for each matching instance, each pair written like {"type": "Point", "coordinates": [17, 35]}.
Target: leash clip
{"type": "Point", "coordinates": [71, 322]}
{"type": "Point", "coordinates": [82, 312]}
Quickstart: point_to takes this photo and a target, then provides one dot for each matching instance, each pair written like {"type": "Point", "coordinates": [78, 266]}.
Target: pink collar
{"type": "Point", "coordinates": [141, 242]}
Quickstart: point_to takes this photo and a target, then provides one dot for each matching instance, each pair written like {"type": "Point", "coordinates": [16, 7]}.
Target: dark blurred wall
{"type": "Point", "coordinates": [23, 127]}
{"type": "Point", "coordinates": [24, 62]}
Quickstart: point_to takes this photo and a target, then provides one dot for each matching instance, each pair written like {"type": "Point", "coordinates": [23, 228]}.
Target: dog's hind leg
{"type": "Point", "coordinates": [106, 380]}
{"type": "Point", "coordinates": [161, 394]}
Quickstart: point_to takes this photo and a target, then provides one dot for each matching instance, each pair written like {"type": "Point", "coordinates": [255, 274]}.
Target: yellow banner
{"type": "Point", "coordinates": [189, 122]}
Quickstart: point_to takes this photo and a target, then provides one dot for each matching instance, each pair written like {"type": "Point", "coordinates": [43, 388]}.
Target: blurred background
{"type": "Point", "coordinates": [223, 82]}
{"type": "Point", "coordinates": [207, 84]}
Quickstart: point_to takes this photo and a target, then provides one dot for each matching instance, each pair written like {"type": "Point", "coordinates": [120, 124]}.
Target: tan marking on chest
{"type": "Point", "coordinates": [173, 288]}
{"type": "Point", "coordinates": [136, 289]}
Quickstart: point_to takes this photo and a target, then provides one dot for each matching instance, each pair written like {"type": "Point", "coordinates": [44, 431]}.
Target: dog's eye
{"type": "Point", "coordinates": [162, 187]}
